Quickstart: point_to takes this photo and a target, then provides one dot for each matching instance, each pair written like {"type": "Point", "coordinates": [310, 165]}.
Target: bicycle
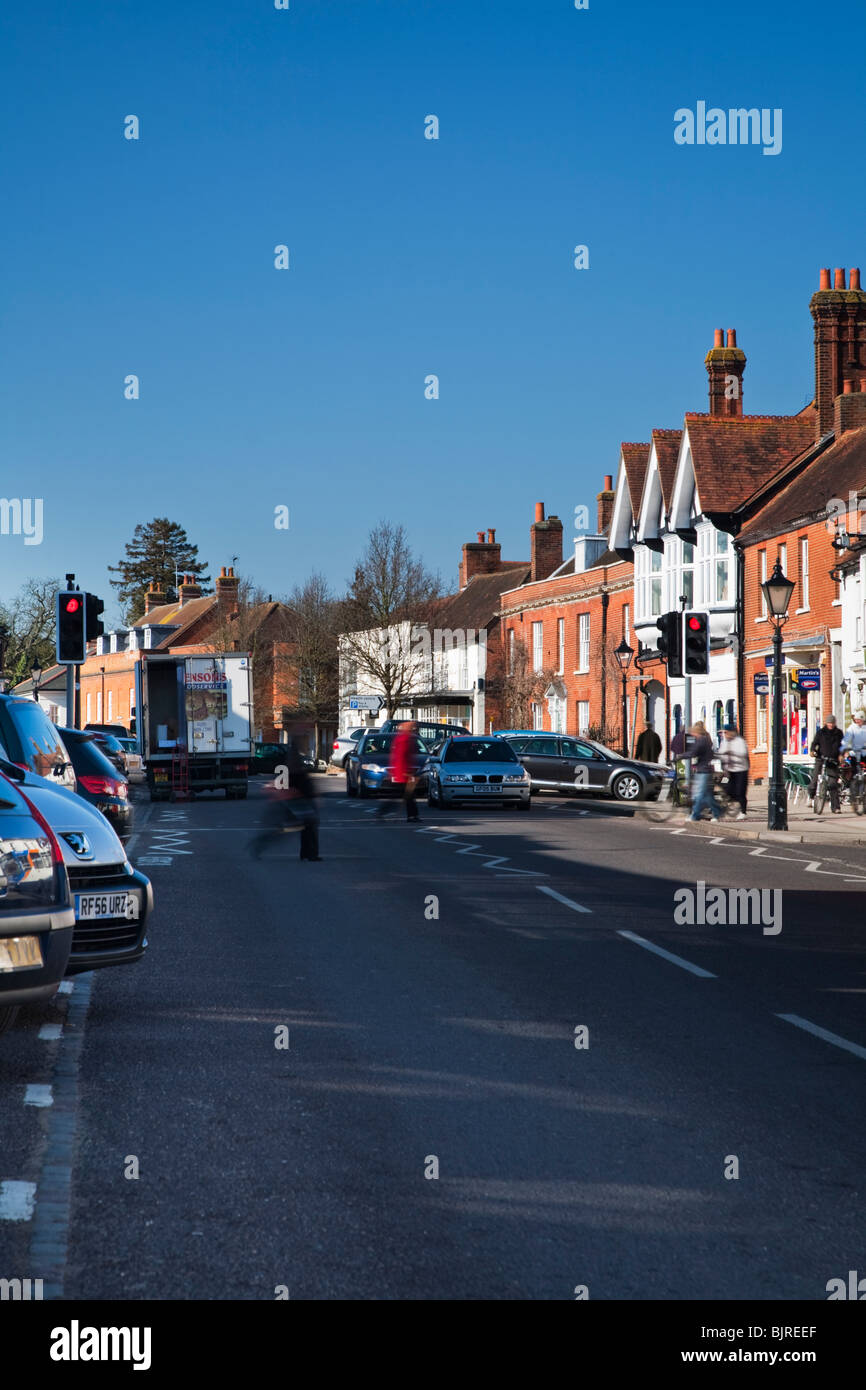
{"type": "Point", "coordinates": [828, 782]}
{"type": "Point", "coordinates": [854, 785]}
{"type": "Point", "coordinates": [675, 794]}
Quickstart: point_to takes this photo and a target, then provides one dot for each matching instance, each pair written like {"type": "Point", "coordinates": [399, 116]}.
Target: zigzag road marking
{"type": "Point", "coordinates": [490, 862]}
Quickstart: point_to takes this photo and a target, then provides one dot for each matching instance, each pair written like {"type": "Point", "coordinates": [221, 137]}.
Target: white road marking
{"type": "Point", "coordinates": [569, 902]}
{"type": "Point", "coordinates": [17, 1200]}
{"type": "Point", "coordinates": [154, 859]}
{"type": "Point", "coordinates": [469, 849]}
{"type": "Point", "coordinates": [822, 1033]}
{"type": "Point", "coordinates": [38, 1095]}
{"type": "Point", "coordinates": [51, 1032]}
{"type": "Point", "coordinates": [66, 987]}
{"type": "Point", "coordinates": [667, 955]}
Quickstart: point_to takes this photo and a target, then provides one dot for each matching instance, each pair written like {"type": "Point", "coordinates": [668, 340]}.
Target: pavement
{"type": "Point", "coordinates": [478, 1058]}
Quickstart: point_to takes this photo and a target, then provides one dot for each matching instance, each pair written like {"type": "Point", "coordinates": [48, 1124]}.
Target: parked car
{"type": "Point", "coordinates": [583, 766]}
{"type": "Point", "coordinates": [98, 780]}
{"type": "Point", "coordinates": [367, 766]}
{"type": "Point", "coordinates": [433, 734]}
{"type": "Point", "coordinates": [344, 744]}
{"type": "Point", "coordinates": [117, 730]}
{"type": "Point", "coordinates": [36, 912]}
{"type": "Point", "coordinates": [477, 769]}
{"type": "Point", "coordinates": [134, 761]}
{"type": "Point", "coordinates": [110, 746]}
{"type": "Point", "coordinates": [29, 739]}
{"type": "Point", "coordinates": [267, 757]}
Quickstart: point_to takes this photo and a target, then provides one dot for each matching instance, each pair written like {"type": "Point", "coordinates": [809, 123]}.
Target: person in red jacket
{"type": "Point", "coordinates": [403, 768]}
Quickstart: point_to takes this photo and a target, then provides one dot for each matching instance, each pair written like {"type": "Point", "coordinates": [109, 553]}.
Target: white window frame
{"type": "Point", "coordinates": [803, 556]}
{"type": "Point", "coordinates": [88, 716]}
{"type": "Point", "coordinates": [583, 643]}
{"type": "Point", "coordinates": [762, 575]}
{"type": "Point", "coordinates": [560, 646]}
{"type": "Point", "coordinates": [538, 647]}
{"type": "Point", "coordinates": [511, 651]}
{"type": "Point", "coordinates": [537, 715]}
{"type": "Point", "coordinates": [583, 716]}
{"type": "Point", "coordinates": [626, 621]}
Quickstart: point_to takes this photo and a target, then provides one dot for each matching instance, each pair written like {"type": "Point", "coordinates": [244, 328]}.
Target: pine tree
{"type": "Point", "coordinates": [158, 550]}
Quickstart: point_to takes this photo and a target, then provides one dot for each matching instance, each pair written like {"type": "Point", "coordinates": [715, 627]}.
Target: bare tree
{"type": "Point", "coordinates": [312, 626]}
{"type": "Point", "coordinates": [522, 687]}
{"type": "Point", "coordinates": [27, 629]}
{"type": "Point", "coordinates": [391, 596]}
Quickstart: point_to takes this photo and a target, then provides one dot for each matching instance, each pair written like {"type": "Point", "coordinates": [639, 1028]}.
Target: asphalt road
{"type": "Point", "coordinates": [431, 979]}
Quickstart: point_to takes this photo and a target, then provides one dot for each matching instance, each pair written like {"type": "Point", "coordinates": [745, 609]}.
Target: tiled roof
{"type": "Point", "coordinates": [182, 614]}
{"type": "Point", "coordinates": [475, 605]}
{"type": "Point", "coordinates": [835, 472]}
{"type": "Point", "coordinates": [667, 443]}
{"type": "Point", "coordinates": [635, 458]}
{"type": "Point", "coordinates": [734, 457]}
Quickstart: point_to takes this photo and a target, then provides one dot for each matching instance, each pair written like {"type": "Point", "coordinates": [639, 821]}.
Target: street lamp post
{"type": "Point", "coordinates": [36, 676]}
{"type": "Point", "coordinates": [777, 594]}
{"type": "Point", "coordinates": [624, 654]}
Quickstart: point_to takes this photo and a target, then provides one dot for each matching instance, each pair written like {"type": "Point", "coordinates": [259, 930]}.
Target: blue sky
{"type": "Point", "coordinates": [305, 388]}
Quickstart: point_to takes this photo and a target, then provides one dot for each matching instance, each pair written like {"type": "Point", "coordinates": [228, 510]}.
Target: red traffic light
{"type": "Point", "coordinates": [695, 624]}
{"type": "Point", "coordinates": [72, 605]}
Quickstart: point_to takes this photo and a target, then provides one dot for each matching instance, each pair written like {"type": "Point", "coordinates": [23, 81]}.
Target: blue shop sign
{"type": "Point", "coordinates": [809, 678]}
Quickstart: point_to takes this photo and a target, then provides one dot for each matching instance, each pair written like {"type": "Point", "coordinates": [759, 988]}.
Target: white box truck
{"type": "Point", "coordinates": [194, 721]}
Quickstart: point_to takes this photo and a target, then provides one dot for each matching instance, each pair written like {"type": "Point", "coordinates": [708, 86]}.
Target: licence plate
{"type": "Point", "coordinates": [20, 952]}
{"type": "Point", "coordinates": [90, 907]}
{"type": "Point", "coordinates": [491, 791]}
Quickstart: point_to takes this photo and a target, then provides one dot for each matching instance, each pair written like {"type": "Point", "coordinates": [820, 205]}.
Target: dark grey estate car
{"type": "Point", "coordinates": [581, 765]}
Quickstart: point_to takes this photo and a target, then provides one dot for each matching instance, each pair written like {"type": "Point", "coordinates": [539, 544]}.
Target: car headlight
{"type": "Point", "coordinates": [457, 777]}
{"type": "Point", "coordinates": [371, 767]}
{"type": "Point", "coordinates": [27, 873]}
{"type": "Point", "coordinates": [515, 777]}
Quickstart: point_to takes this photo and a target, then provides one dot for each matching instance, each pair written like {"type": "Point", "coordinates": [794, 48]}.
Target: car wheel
{"type": "Point", "coordinates": [525, 805]}
{"type": "Point", "coordinates": [626, 787]}
{"type": "Point", "coordinates": [350, 790]}
{"type": "Point", "coordinates": [432, 795]}
{"type": "Point", "coordinates": [7, 1016]}
{"type": "Point", "coordinates": [362, 790]}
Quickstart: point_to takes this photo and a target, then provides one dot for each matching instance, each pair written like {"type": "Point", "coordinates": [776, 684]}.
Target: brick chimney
{"type": "Point", "coordinates": [840, 340]}
{"type": "Point", "coordinates": [545, 544]}
{"type": "Point", "coordinates": [188, 588]}
{"type": "Point", "coordinates": [227, 584]}
{"type": "Point", "coordinates": [849, 409]}
{"type": "Point", "coordinates": [154, 598]}
{"type": "Point", "coordinates": [605, 505]}
{"type": "Point", "coordinates": [725, 364]}
{"type": "Point", "coordinates": [479, 557]}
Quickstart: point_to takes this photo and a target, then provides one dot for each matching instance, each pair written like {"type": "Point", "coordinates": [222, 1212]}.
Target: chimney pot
{"type": "Point", "coordinates": [223, 572]}
{"type": "Point", "coordinates": [732, 337]}
{"type": "Point", "coordinates": [719, 340]}
{"type": "Point", "coordinates": [491, 536]}
{"type": "Point", "coordinates": [863, 383]}
{"type": "Point", "coordinates": [608, 482]}
{"type": "Point", "coordinates": [539, 511]}
{"type": "Point", "coordinates": [839, 275]}
{"type": "Point", "coordinates": [854, 278]}
{"type": "Point", "coordinates": [847, 386]}
{"type": "Point", "coordinates": [480, 535]}
{"type": "Point", "coordinates": [824, 279]}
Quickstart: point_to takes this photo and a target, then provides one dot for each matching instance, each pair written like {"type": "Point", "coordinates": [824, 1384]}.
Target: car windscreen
{"type": "Point", "coordinates": [477, 750]}
{"type": "Point", "coordinates": [376, 743]}
{"type": "Point", "coordinates": [605, 751]}
{"type": "Point", "coordinates": [32, 736]}
{"type": "Point", "coordinates": [109, 743]}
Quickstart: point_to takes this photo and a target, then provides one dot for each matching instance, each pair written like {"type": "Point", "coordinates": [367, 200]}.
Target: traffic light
{"type": "Point", "coordinates": [696, 627]}
{"type": "Point", "coordinates": [670, 643]}
{"type": "Point", "coordinates": [93, 606]}
{"type": "Point", "coordinates": [70, 641]}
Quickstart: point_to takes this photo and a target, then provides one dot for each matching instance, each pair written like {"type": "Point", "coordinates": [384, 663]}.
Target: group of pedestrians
{"type": "Point", "coordinates": [827, 747]}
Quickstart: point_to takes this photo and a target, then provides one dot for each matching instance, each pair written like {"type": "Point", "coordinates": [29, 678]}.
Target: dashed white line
{"type": "Point", "coordinates": [667, 955]}
{"type": "Point", "coordinates": [38, 1095]}
{"type": "Point", "coordinates": [822, 1033]}
{"type": "Point", "coordinates": [569, 902]}
{"type": "Point", "coordinates": [66, 987]}
{"type": "Point", "coordinates": [50, 1032]}
{"type": "Point", "coordinates": [17, 1200]}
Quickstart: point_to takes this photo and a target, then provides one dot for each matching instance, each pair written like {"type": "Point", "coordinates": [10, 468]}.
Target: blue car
{"type": "Point", "coordinates": [367, 765]}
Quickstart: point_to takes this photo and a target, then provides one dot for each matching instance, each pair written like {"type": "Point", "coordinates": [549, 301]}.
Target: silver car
{"type": "Point", "coordinates": [478, 770]}
{"type": "Point", "coordinates": [344, 744]}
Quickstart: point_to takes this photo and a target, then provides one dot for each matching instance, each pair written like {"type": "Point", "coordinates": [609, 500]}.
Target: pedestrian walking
{"type": "Point", "coordinates": [825, 749]}
{"type": "Point", "coordinates": [699, 748]}
{"type": "Point", "coordinates": [403, 767]}
{"type": "Point", "coordinates": [648, 746]}
{"type": "Point", "coordinates": [734, 754]}
{"type": "Point", "coordinates": [291, 806]}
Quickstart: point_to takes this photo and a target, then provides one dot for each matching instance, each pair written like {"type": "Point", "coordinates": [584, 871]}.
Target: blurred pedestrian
{"type": "Point", "coordinates": [699, 748]}
{"type": "Point", "coordinates": [403, 767]}
{"type": "Point", "coordinates": [734, 754]}
{"type": "Point", "coordinates": [291, 806]}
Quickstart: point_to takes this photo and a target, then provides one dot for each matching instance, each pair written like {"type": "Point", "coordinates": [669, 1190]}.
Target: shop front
{"type": "Point", "coordinates": [804, 673]}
